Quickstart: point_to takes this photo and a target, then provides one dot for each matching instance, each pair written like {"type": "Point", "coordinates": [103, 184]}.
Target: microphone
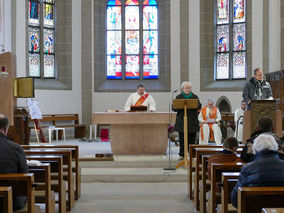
{"type": "Point", "coordinates": [175, 90]}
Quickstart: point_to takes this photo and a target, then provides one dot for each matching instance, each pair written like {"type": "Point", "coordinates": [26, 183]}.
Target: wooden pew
{"type": "Point", "coordinates": [56, 167]}
{"type": "Point", "coordinates": [261, 197]}
{"type": "Point", "coordinates": [270, 210]}
{"type": "Point", "coordinates": [43, 193]}
{"type": "Point", "coordinates": [67, 161]}
{"type": "Point", "coordinates": [7, 199]}
{"type": "Point", "coordinates": [203, 184]}
{"type": "Point", "coordinates": [75, 159]}
{"type": "Point", "coordinates": [22, 185]}
{"type": "Point", "coordinates": [216, 172]}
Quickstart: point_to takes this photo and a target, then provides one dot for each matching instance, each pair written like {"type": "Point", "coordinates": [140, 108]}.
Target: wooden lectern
{"type": "Point", "coordinates": [261, 108]}
{"type": "Point", "coordinates": [185, 104]}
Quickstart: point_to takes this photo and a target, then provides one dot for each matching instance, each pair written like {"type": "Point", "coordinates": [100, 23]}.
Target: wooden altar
{"type": "Point", "coordinates": [136, 132]}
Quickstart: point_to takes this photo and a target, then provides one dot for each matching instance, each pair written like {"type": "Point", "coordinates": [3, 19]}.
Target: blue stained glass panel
{"type": "Point", "coordinates": [239, 11]}
{"type": "Point", "coordinates": [48, 36]}
{"type": "Point", "coordinates": [239, 65]}
{"type": "Point", "coordinates": [132, 42]}
{"type": "Point", "coordinates": [113, 42]}
{"type": "Point", "coordinates": [150, 18]}
{"type": "Point", "coordinates": [222, 65]}
{"type": "Point", "coordinates": [49, 66]}
{"type": "Point", "coordinates": [34, 13]}
{"type": "Point", "coordinates": [114, 2]}
{"type": "Point", "coordinates": [48, 15]}
{"type": "Point", "coordinates": [222, 38]}
{"type": "Point", "coordinates": [34, 45]}
{"type": "Point", "coordinates": [222, 11]}
{"type": "Point", "coordinates": [34, 65]}
{"type": "Point", "coordinates": [150, 66]}
{"type": "Point", "coordinates": [114, 18]}
{"type": "Point", "coordinates": [132, 67]}
{"type": "Point", "coordinates": [132, 18]}
{"type": "Point", "coordinates": [150, 2]}
{"type": "Point", "coordinates": [131, 2]}
{"type": "Point", "coordinates": [150, 42]}
{"type": "Point", "coordinates": [239, 37]}
{"type": "Point", "coordinates": [114, 67]}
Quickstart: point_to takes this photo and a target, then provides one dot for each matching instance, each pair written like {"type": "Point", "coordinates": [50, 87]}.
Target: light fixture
{"type": "Point", "coordinates": [3, 72]}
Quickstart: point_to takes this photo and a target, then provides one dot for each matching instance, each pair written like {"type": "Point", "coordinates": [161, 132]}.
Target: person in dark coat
{"type": "Point", "coordinates": [12, 159]}
{"type": "Point", "coordinates": [265, 170]}
{"type": "Point", "coordinates": [192, 114]}
{"type": "Point", "coordinates": [257, 88]}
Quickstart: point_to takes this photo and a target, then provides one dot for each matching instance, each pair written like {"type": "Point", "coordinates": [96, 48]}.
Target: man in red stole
{"type": "Point", "coordinates": [140, 98]}
{"type": "Point", "coordinates": [209, 117]}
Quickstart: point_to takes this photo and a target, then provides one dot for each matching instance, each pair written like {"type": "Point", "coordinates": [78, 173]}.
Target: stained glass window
{"type": "Point", "coordinates": [132, 39]}
{"type": "Point", "coordinates": [42, 38]}
{"type": "Point", "coordinates": [231, 49]}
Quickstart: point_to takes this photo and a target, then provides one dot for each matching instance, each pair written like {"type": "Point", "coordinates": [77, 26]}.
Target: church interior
{"type": "Point", "coordinates": [91, 90]}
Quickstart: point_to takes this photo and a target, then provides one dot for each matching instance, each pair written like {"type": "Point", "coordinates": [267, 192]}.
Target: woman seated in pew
{"type": "Point", "coordinates": [228, 154]}
{"type": "Point", "coordinates": [267, 169]}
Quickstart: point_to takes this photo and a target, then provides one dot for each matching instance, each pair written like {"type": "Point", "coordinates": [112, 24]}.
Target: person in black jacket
{"type": "Point", "coordinates": [12, 159]}
{"type": "Point", "coordinates": [265, 170]}
{"type": "Point", "coordinates": [192, 114]}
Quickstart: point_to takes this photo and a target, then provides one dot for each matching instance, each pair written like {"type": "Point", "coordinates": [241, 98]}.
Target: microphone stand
{"type": "Point", "coordinates": [169, 141]}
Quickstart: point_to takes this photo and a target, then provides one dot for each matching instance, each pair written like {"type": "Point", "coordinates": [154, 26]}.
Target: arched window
{"type": "Point", "coordinates": [41, 37]}
{"type": "Point", "coordinates": [132, 39]}
{"type": "Point", "coordinates": [231, 56]}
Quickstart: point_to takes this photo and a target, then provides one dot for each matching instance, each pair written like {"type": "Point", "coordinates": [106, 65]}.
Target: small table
{"type": "Point", "coordinates": [56, 129]}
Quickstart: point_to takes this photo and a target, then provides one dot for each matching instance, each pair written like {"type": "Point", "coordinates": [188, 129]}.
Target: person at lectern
{"type": "Point", "coordinates": [257, 88]}
{"type": "Point", "coordinates": [140, 98]}
{"type": "Point", "coordinates": [192, 114]}
{"type": "Point", "coordinates": [209, 118]}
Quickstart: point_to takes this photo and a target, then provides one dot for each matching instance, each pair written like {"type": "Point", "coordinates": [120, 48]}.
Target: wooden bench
{"type": "Point", "coordinates": [260, 197]}
{"type": "Point", "coordinates": [7, 199]}
{"type": "Point", "coordinates": [53, 119]}
{"type": "Point", "coordinates": [57, 183]}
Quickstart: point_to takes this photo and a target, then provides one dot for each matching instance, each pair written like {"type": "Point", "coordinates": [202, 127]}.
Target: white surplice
{"type": "Point", "coordinates": [134, 97]}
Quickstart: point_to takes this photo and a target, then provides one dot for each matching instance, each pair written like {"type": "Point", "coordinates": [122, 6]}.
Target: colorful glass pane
{"type": "Point", "coordinates": [114, 67]}
{"type": "Point", "coordinates": [132, 42]}
{"type": "Point", "coordinates": [34, 45]}
{"type": "Point", "coordinates": [49, 1]}
{"type": "Point", "coordinates": [132, 67]}
{"type": "Point", "coordinates": [113, 42]}
{"type": "Point", "coordinates": [131, 2]}
{"type": "Point", "coordinates": [150, 2]}
{"type": "Point", "coordinates": [239, 65]}
{"type": "Point", "coordinates": [239, 11]}
{"type": "Point", "coordinates": [239, 37]}
{"type": "Point", "coordinates": [223, 38]}
{"type": "Point", "coordinates": [48, 15]}
{"type": "Point", "coordinates": [222, 11]}
{"type": "Point", "coordinates": [34, 13]}
{"type": "Point", "coordinates": [114, 18]}
{"type": "Point", "coordinates": [222, 65]}
{"type": "Point", "coordinates": [150, 18]}
{"type": "Point", "coordinates": [150, 42]}
{"type": "Point", "coordinates": [48, 36]}
{"type": "Point", "coordinates": [49, 66]}
{"type": "Point", "coordinates": [34, 65]}
{"type": "Point", "coordinates": [132, 18]}
{"type": "Point", "coordinates": [114, 2]}
{"type": "Point", "coordinates": [150, 66]}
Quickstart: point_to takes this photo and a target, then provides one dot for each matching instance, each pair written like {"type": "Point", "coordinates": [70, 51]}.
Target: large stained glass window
{"type": "Point", "coordinates": [132, 39]}
{"type": "Point", "coordinates": [230, 39]}
{"type": "Point", "coordinates": [41, 38]}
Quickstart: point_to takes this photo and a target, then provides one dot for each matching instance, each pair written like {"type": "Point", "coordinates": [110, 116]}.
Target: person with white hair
{"type": "Point", "coordinates": [209, 117]}
{"type": "Point", "coordinates": [267, 169]}
{"type": "Point", "coordinates": [192, 120]}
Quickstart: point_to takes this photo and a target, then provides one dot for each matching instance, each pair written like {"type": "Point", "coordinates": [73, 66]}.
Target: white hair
{"type": "Point", "coordinates": [185, 83]}
{"type": "Point", "coordinates": [264, 141]}
{"type": "Point", "coordinates": [211, 99]}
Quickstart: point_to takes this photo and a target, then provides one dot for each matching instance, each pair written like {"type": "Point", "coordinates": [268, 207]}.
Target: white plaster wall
{"type": "Point", "coordinates": [54, 101]}
{"type": "Point", "coordinates": [6, 39]}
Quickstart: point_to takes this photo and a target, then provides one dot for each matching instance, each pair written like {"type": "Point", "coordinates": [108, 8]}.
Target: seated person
{"type": "Point", "coordinates": [12, 158]}
{"type": "Point", "coordinates": [265, 170]}
{"type": "Point", "coordinates": [239, 115]}
{"type": "Point", "coordinates": [230, 147]}
{"type": "Point", "coordinates": [140, 98]}
{"type": "Point", "coordinates": [209, 117]}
